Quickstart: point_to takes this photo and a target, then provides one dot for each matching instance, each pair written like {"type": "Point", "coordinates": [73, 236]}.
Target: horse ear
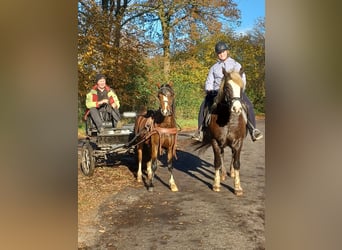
{"type": "Point", "coordinates": [225, 73]}
{"type": "Point", "coordinates": [171, 83]}
{"type": "Point", "coordinates": [158, 85]}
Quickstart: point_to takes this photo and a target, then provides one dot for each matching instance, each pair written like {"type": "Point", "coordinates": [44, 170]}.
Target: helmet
{"type": "Point", "coordinates": [220, 47]}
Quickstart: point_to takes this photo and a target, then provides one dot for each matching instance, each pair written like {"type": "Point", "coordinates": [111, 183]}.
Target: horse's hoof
{"type": "Point", "coordinates": [238, 192]}
{"type": "Point", "coordinates": [174, 188]}
{"type": "Point", "coordinates": [232, 175]}
{"type": "Point", "coordinates": [139, 180]}
{"type": "Point", "coordinates": [150, 189]}
{"type": "Point", "coordinates": [223, 178]}
{"type": "Point", "coordinates": [216, 189]}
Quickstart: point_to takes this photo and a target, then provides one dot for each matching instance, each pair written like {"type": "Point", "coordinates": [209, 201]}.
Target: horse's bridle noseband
{"type": "Point", "coordinates": [234, 99]}
{"type": "Point", "coordinates": [167, 92]}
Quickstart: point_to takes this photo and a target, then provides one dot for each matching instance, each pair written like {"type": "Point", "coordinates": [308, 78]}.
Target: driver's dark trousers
{"type": "Point", "coordinates": [208, 101]}
{"type": "Point", "coordinates": [95, 115]}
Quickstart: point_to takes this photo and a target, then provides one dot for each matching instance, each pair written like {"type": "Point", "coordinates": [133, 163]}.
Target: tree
{"type": "Point", "coordinates": [138, 43]}
{"type": "Point", "coordinates": [175, 24]}
{"type": "Point", "coordinates": [256, 90]}
{"type": "Point", "coordinates": [190, 69]}
{"type": "Point", "coordinates": [98, 51]}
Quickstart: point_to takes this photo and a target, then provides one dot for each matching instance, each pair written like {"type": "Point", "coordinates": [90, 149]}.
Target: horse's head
{"type": "Point", "coordinates": [231, 88]}
{"type": "Point", "coordinates": [166, 97]}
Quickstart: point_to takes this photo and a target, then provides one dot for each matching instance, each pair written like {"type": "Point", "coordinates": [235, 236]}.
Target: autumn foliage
{"type": "Point", "coordinates": [138, 44]}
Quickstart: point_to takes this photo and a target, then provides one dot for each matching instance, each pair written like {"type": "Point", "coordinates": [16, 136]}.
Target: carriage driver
{"type": "Point", "coordinates": [97, 99]}
{"type": "Point", "coordinates": [212, 86]}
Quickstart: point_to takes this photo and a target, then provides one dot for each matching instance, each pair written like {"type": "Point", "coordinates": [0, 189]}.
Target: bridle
{"type": "Point", "coordinates": [231, 100]}
{"type": "Point", "coordinates": [166, 91]}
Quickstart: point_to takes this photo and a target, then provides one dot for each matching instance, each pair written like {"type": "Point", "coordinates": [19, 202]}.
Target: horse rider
{"type": "Point", "coordinates": [212, 86]}
{"type": "Point", "coordinates": [101, 98]}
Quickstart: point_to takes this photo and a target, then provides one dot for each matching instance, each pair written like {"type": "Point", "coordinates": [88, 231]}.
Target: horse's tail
{"type": "Point", "coordinates": [204, 144]}
{"type": "Point", "coordinates": [200, 146]}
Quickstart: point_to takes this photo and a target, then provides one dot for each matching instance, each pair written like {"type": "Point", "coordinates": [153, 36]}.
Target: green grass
{"type": "Point", "coordinates": [81, 129]}
{"type": "Point", "coordinates": [187, 123]}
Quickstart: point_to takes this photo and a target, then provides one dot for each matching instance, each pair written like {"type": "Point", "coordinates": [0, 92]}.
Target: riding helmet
{"type": "Point", "coordinates": [220, 47]}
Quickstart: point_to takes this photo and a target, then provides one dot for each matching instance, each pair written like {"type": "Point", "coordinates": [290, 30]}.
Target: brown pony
{"type": "Point", "coordinates": [227, 127]}
{"type": "Point", "coordinates": [156, 131]}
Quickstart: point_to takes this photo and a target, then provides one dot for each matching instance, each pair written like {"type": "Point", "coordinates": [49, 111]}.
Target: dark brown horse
{"type": "Point", "coordinates": [157, 131]}
{"type": "Point", "coordinates": [227, 127]}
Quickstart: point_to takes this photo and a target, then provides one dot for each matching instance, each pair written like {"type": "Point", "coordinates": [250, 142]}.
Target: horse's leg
{"type": "Point", "coordinates": [139, 152]}
{"type": "Point", "coordinates": [149, 175]}
{"type": "Point", "coordinates": [236, 164]}
{"type": "Point", "coordinates": [217, 165]}
{"type": "Point", "coordinates": [223, 168]}
{"type": "Point", "coordinates": [152, 165]}
{"type": "Point", "coordinates": [172, 182]}
{"type": "Point", "coordinates": [137, 130]}
{"type": "Point", "coordinates": [232, 171]}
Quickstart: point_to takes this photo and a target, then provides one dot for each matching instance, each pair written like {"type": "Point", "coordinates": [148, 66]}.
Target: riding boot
{"type": "Point", "coordinates": [198, 136]}
{"type": "Point", "coordinates": [254, 132]}
{"type": "Point", "coordinates": [251, 124]}
{"type": "Point", "coordinates": [204, 116]}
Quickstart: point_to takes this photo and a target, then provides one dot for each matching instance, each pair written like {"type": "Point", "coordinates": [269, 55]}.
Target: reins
{"type": "Point", "coordinates": [154, 130]}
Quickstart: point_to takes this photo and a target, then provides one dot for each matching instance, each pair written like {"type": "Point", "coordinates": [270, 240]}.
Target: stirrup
{"type": "Point", "coordinates": [198, 136]}
{"type": "Point", "coordinates": [256, 135]}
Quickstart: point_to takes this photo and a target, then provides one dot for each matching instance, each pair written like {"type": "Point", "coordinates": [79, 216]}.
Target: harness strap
{"type": "Point", "coordinates": [149, 129]}
{"type": "Point", "coordinates": [172, 131]}
{"type": "Point", "coordinates": [146, 132]}
{"type": "Point", "coordinates": [143, 139]}
{"type": "Point", "coordinates": [165, 131]}
{"type": "Point", "coordinates": [236, 99]}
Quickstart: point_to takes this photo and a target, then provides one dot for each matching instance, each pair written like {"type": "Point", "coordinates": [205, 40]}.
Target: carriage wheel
{"type": "Point", "coordinates": [88, 161]}
{"type": "Point", "coordinates": [88, 126]}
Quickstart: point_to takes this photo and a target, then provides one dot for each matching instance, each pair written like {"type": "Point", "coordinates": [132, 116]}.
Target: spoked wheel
{"type": "Point", "coordinates": [88, 161]}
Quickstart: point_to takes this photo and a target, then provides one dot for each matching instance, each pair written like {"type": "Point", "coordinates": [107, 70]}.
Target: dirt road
{"type": "Point", "coordinates": [193, 218]}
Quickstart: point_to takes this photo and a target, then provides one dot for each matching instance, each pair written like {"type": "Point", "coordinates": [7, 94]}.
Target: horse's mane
{"type": "Point", "coordinates": [228, 76]}
{"type": "Point", "coordinates": [236, 77]}
{"type": "Point", "coordinates": [166, 86]}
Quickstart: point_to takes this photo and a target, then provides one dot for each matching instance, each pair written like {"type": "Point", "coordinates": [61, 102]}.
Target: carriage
{"type": "Point", "coordinates": [152, 130]}
{"type": "Point", "coordinates": [101, 148]}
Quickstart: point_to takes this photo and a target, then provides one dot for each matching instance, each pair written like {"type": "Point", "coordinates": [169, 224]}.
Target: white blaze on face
{"type": "Point", "coordinates": [166, 105]}
{"type": "Point", "coordinates": [237, 106]}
